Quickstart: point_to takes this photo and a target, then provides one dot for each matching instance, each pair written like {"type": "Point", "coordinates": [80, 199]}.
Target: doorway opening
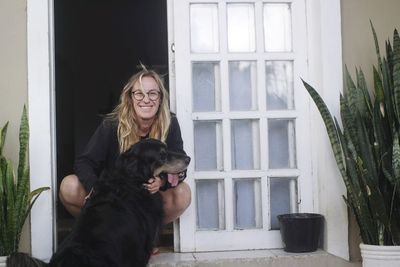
{"type": "Point", "coordinates": [99, 44]}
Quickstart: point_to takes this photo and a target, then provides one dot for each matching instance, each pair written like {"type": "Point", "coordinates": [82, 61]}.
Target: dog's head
{"type": "Point", "coordinates": [149, 158]}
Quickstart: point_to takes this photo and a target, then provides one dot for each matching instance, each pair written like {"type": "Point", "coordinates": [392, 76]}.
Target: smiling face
{"type": "Point", "coordinates": [146, 108]}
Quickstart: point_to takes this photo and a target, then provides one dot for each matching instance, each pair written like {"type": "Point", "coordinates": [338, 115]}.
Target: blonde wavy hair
{"type": "Point", "coordinates": [126, 116]}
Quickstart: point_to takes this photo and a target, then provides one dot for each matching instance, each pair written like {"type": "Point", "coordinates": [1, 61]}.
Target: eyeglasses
{"type": "Point", "coordinates": [138, 95]}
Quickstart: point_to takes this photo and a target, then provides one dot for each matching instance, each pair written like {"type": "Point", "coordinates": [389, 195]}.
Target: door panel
{"type": "Point", "coordinates": [244, 119]}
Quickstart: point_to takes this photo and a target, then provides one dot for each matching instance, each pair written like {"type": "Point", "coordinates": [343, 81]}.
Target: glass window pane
{"type": "Point", "coordinates": [207, 145]}
{"type": "Point", "coordinates": [210, 205]}
{"type": "Point", "coordinates": [241, 28]}
{"type": "Point", "coordinates": [204, 28]}
{"type": "Point", "coordinates": [282, 192]}
{"type": "Point", "coordinates": [247, 203]}
{"type": "Point", "coordinates": [277, 27]}
{"type": "Point", "coordinates": [245, 144]}
{"type": "Point", "coordinates": [281, 140]}
{"type": "Point", "coordinates": [243, 85]}
{"type": "Point", "coordinates": [206, 86]}
{"type": "Point", "coordinates": [279, 83]}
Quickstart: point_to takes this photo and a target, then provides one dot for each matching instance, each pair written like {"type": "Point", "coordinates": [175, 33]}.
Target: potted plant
{"type": "Point", "coordinates": [367, 153]}
{"type": "Point", "coordinates": [16, 200]}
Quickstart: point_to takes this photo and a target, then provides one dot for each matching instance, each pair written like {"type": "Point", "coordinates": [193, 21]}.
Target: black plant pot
{"type": "Point", "coordinates": [301, 232]}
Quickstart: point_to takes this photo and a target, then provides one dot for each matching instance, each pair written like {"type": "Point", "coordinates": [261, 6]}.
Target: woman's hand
{"type": "Point", "coordinates": [153, 184]}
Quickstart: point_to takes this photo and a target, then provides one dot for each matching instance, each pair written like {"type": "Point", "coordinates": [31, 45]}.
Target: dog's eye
{"type": "Point", "coordinates": [163, 155]}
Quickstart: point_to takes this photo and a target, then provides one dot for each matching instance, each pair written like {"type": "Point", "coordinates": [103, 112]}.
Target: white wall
{"type": "Point", "coordinates": [13, 77]}
{"type": "Point", "coordinates": [358, 44]}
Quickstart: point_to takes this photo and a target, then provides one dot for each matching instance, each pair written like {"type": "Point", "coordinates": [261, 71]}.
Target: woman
{"type": "Point", "coordinates": [142, 112]}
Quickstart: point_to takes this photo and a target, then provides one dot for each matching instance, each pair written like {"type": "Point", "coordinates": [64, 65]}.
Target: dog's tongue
{"type": "Point", "coordinates": [173, 179]}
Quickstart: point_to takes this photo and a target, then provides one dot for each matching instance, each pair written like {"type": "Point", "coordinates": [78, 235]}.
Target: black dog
{"type": "Point", "coordinates": [119, 223]}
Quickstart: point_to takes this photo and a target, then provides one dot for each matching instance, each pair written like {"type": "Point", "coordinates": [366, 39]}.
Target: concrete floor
{"type": "Point", "coordinates": [253, 258]}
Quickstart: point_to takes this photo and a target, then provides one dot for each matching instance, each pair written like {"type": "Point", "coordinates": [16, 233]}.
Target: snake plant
{"type": "Point", "coordinates": [366, 147]}
{"type": "Point", "coordinates": [16, 200]}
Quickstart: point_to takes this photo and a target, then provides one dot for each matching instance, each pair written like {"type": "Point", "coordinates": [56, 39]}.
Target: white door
{"type": "Point", "coordinates": [244, 118]}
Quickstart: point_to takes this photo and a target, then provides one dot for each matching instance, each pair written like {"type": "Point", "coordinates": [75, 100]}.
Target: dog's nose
{"type": "Point", "coordinates": [187, 160]}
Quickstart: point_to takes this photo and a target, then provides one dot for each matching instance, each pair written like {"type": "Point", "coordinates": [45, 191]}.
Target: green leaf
{"type": "Point", "coordinates": [396, 72]}
{"type": "Point", "coordinates": [376, 44]}
{"type": "Point", "coordinates": [348, 122]}
{"type": "Point", "coordinates": [3, 133]}
{"type": "Point", "coordinates": [16, 200]}
{"type": "Point", "coordinates": [23, 143]}
{"type": "Point", "coordinates": [330, 126]}
{"type": "Point", "coordinates": [362, 85]}
{"type": "Point", "coordinates": [396, 160]}
{"type": "Point", "coordinates": [10, 192]}
{"type": "Point", "coordinates": [379, 93]}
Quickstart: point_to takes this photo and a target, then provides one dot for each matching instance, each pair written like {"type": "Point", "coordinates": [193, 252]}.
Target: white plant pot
{"type": "Point", "coordinates": [3, 261]}
{"type": "Point", "coordinates": [380, 256]}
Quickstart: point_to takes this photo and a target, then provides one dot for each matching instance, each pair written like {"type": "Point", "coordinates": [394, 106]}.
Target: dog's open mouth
{"type": "Point", "coordinates": [174, 178]}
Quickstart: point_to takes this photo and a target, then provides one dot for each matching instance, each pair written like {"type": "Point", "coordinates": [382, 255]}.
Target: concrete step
{"type": "Point", "coordinates": [253, 258]}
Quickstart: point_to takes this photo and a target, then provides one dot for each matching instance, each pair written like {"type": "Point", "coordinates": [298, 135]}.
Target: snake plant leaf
{"type": "Point", "coordinates": [378, 54]}
{"type": "Point", "coordinates": [343, 138]}
{"type": "Point", "coordinates": [2, 205]}
{"type": "Point", "coordinates": [387, 174]}
{"type": "Point", "coordinates": [364, 100]}
{"type": "Point", "coordinates": [382, 137]}
{"type": "Point", "coordinates": [330, 126]}
{"type": "Point", "coordinates": [366, 151]}
{"type": "Point", "coordinates": [31, 199]}
{"type": "Point", "coordinates": [10, 188]}
{"type": "Point", "coordinates": [379, 93]}
{"type": "Point", "coordinates": [388, 71]}
{"type": "Point", "coordinates": [376, 200]}
{"type": "Point", "coordinates": [16, 200]}
{"type": "Point", "coordinates": [2, 180]}
{"type": "Point", "coordinates": [362, 85]}
{"type": "Point", "coordinates": [3, 133]}
{"type": "Point", "coordinates": [348, 122]}
{"type": "Point", "coordinates": [389, 105]}
{"type": "Point", "coordinates": [23, 143]}
{"type": "Point", "coordinates": [396, 71]}
{"type": "Point", "coordinates": [355, 191]}
{"type": "Point", "coordinates": [389, 56]}
{"type": "Point", "coordinates": [395, 216]}
{"type": "Point", "coordinates": [351, 206]}
{"type": "Point", "coordinates": [33, 196]}
{"type": "Point", "coordinates": [396, 160]}
{"type": "Point", "coordinates": [355, 97]}
{"type": "Point", "coordinates": [21, 200]}
{"type": "Point", "coordinates": [10, 203]}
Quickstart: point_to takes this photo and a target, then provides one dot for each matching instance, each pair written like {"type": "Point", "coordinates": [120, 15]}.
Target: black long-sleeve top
{"type": "Point", "coordinates": [103, 149]}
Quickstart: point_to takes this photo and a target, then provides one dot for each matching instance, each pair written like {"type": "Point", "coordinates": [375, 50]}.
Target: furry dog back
{"type": "Point", "coordinates": [120, 222]}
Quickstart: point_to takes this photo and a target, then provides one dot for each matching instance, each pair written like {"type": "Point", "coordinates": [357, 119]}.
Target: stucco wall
{"type": "Point", "coordinates": [13, 75]}
{"type": "Point", "coordinates": [13, 68]}
{"type": "Point", "coordinates": [359, 51]}
{"type": "Point", "coordinates": [358, 44]}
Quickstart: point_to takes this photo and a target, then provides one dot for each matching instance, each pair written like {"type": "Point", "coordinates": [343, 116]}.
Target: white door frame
{"type": "Point", "coordinates": [325, 60]}
{"type": "Point", "coordinates": [41, 121]}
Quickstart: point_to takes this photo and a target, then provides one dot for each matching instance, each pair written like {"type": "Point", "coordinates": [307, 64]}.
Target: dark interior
{"type": "Point", "coordinates": [98, 46]}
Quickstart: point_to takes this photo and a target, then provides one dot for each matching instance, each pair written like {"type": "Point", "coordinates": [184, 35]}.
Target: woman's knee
{"type": "Point", "coordinates": [71, 190]}
{"type": "Point", "coordinates": [176, 201]}
{"type": "Point", "coordinates": [182, 196]}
